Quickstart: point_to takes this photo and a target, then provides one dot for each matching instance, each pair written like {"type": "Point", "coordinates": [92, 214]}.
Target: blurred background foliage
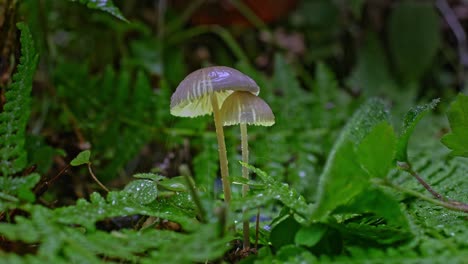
{"type": "Point", "coordinates": [103, 83]}
{"type": "Point", "coordinates": [106, 76]}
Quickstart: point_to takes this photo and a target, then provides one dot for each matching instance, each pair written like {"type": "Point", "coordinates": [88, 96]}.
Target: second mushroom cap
{"type": "Point", "coordinates": [245, 108]}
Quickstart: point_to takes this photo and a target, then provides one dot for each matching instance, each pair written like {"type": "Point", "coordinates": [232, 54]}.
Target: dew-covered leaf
{"type": "Point", "coordinates": [412, 118]}
{"type": "Point", "coordinates": [87, 213]}
{"type": "Point", "coordinates": [142, 191]}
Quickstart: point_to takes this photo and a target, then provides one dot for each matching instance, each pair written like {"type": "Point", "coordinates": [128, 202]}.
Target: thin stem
{"type": "Point", "coordinates": [442, 200]}
{"type": "Point", "coordinates": [96, 179]}
{"type": "Point", "coordinates": [42, 187]}
{"type": "Point", "coordinates": [245, 174]}
{"type": "Point", "coordinates": [223, 162]}
{"type": "Point", "coordinates": [426, 185]}
{"type": "Point", "coordinates": [452, 206]}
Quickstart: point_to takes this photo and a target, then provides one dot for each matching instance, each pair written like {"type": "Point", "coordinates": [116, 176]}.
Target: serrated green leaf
{"type": "Point", "coordinates": [343, 176]}
{"type": "Point", "coordinates": [414, 37]}
{"type": "Point", "coordinates": [412, 118]}
{"type": "Point", "coordinates": [310, 235]}
{"type": "Point", "coordinates": [376, 151]}
{"type": "Point", "coordinates": [81, 158]}
{"type": "Point", "coordinates": [457, 139]}
{"type": "Point", "coordinates": [142, 191]}
{"type": "Point", "coordinates": [103, 5]}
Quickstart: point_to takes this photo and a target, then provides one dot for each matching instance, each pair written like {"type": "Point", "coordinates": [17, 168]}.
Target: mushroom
{"type": "Point", "coordinates": [245, 109]}
{"type": "Point", "coordinates": [201, 93]}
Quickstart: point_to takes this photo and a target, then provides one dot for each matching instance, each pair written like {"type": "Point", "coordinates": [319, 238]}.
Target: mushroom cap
{"type": "Point", "coordinates": [245, 108]}
{"type": "Point", "coordinates": [192, 96]}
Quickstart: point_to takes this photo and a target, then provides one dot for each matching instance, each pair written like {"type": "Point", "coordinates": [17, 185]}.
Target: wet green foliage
{"type": "Point", "coordinates": [328, 180]}
{"type": "Point", "coordinates": [15, 190]}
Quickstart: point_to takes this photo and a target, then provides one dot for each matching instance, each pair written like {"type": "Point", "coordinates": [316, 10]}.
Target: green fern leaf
{"type": "Point", "coordinates": [121, 203]}
{"type": "Point", "coordinates": [14, 189]}
{"type": "Point", "coordinates": [69, 234]}
{"type": "Point", "coordinates": [16, 111]}
{"type": "Point", "coordinates": [129, 116]}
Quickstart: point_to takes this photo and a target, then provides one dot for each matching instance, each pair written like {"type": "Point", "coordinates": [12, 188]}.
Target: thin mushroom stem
{"type": "Point", "coordinates": [245, 174]}
{"type": "Point", "coordinates": [223, 162]}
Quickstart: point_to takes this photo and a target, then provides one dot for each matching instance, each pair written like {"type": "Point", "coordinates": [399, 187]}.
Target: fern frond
{"type": "Point", "coordinates": [205, 164]}
{"type": "Point", "coordinates": [69, 235]}
{"type": "Point", "coordinates": [16, 111]}
{"type": "Point", "coordinates": [106, 6]}
{"type": "Point", "coordinates": [114, 108]}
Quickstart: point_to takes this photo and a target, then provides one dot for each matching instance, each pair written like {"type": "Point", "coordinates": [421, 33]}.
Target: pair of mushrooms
{"type": "Point", "coordinates": [232, 98]}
